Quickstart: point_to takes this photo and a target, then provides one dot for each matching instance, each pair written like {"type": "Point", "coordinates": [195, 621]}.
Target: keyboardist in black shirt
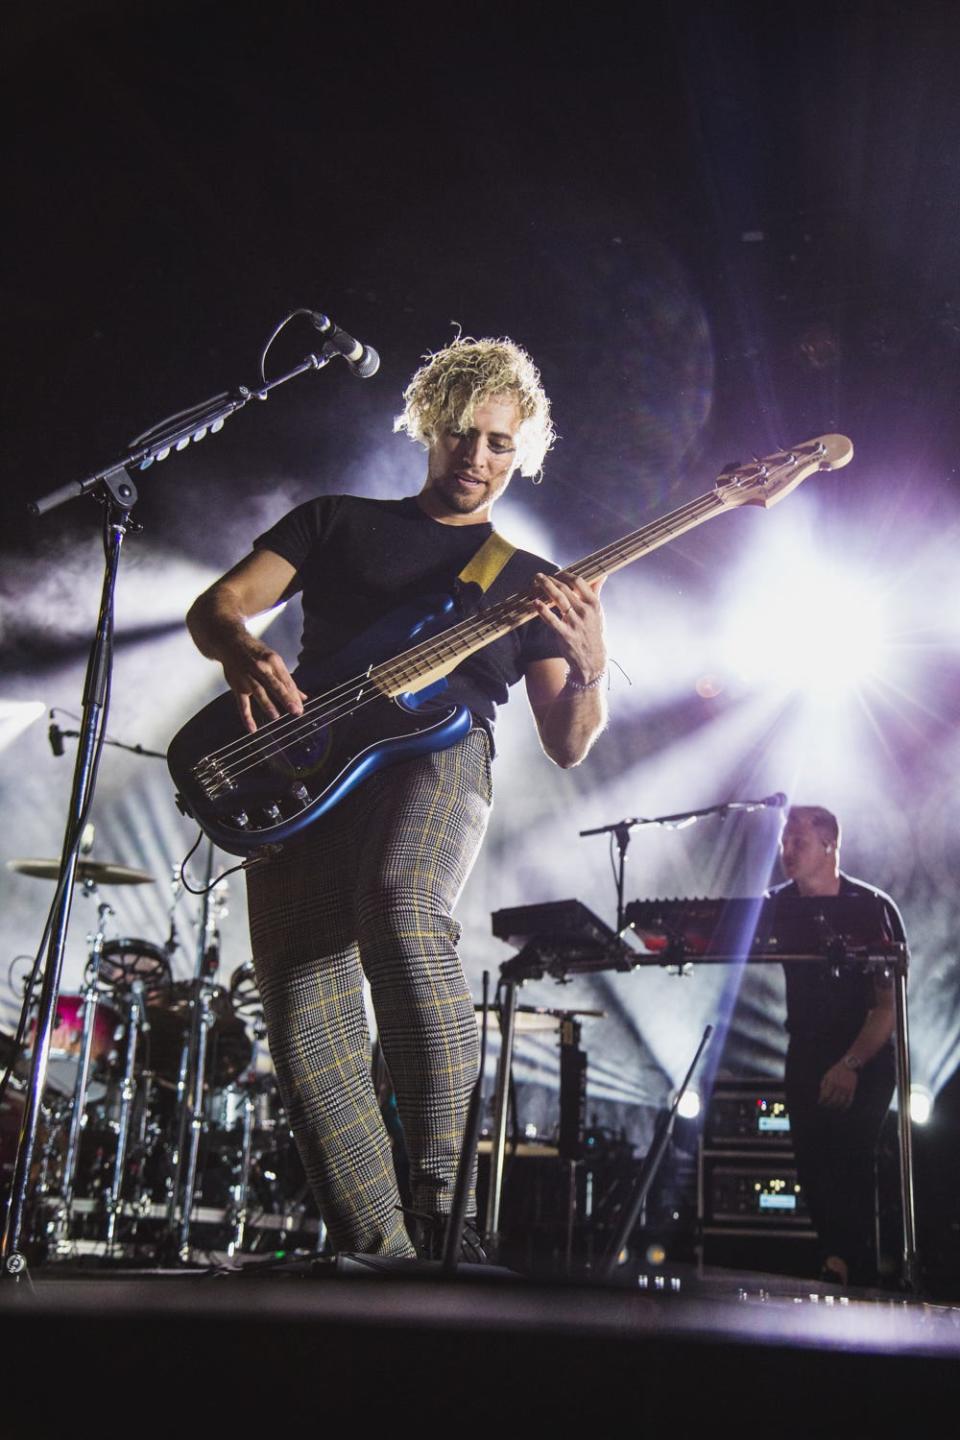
{"type": "Point", "coordinates": [840, 1067]}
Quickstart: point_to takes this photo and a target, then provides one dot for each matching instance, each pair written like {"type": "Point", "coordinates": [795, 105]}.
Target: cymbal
{"type": "Point", "coordinates": [98, 872]}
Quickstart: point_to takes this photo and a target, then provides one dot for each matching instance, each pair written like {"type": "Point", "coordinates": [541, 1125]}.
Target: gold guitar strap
{"type": "Point", "coordinates": [489, 560]}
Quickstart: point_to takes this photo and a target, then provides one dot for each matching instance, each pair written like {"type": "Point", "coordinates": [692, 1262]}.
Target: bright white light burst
{"type": "Point", "coordinates": [807, 626]}
{"type": "Point", "coordinates": [921, 1104]}
{"type": "Point", "coordinates": [689, 1106]}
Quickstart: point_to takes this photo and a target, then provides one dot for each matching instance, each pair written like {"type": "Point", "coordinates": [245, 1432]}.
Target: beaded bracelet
{"type": "Point", "coordinates": [578, 685]}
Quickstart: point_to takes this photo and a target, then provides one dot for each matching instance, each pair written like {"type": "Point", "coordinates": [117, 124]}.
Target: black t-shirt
{"type": "Point", "coordinates": [358, 559]}
{"type": "Point", "coordinates": [829, 1009]}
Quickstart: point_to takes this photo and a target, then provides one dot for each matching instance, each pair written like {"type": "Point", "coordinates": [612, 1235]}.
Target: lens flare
{"type": "Point", "coordinates": [689, 1106]}
{"type": "Point", "coordinates": [818, 629]}
{"type": "Point", "coordinates": [921, 1104]}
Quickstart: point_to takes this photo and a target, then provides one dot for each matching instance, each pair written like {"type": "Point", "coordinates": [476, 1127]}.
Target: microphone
{"type": "Point", "coordinates": [769, 802]}
{"type": "Point", "coordinates": [55, 736]}
{"type": "Point", "coordinates": [362, 359]}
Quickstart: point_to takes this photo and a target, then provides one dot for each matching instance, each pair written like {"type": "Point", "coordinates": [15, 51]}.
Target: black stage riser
{"type": "Point", "coordinates": [197, 1353]}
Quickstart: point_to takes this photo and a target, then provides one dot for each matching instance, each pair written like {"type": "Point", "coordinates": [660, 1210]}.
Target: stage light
{"type": "Point", "coordinates": [806, 624]}
{"type": "Point", "coordinates": [689, 1106]}
{"type": "Point", "coordinates": [921, 1104]}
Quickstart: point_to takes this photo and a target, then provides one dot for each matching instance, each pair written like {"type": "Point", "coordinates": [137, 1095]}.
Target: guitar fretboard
{"type": "Point", "coordinates": [430, 660]}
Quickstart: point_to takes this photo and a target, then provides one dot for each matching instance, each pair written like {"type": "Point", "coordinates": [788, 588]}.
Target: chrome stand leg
{"type": "Point", "coordinates": [136, 1015]}
{"type": "Point", "coordinates": [242, 1187]}
{"type": "Point", "coordinates": [61, 1221]}
{"type": "Point", "coordinates": [908, 1216]}
{"type": "Point", "coordinates": [180, 1136]}
{"type": "Point", "coordinates": [195, 1121]}
{"type": "Point", "coordinates": [508, 1016]}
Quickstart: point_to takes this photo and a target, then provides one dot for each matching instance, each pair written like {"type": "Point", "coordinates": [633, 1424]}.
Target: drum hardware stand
{"type": "Point", "coordinates": [193, 1118]}
{"type": "Point", "coordinates": [60, 1225]}
{"type": "Point", "coordinates": [48, 1154]}
{"type": "Point", "coordinates": [241, 1189]}
{"type": "Point", "coordinates": [191, 1084]}
{"type": "Point", "coordinates": [136, 1020]}
{"type": "Point", "coordinates": [651, 1167]}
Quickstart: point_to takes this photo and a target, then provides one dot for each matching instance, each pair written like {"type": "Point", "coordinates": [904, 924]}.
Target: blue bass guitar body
{"type": "Point", "coordinates": [247, 791]}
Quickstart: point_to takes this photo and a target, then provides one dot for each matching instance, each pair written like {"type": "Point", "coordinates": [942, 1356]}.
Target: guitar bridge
{"type": "Point", "coordinates": [213, 780]}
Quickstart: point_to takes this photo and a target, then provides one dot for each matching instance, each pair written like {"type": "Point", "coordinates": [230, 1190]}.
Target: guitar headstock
{"type": "Point", "coordinates": [765, 482]}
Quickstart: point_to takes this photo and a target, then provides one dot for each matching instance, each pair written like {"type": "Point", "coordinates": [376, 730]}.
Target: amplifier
{"type": "Point", "coordinates": [757, 1193]}
{"type": "Point", "coordinates": [751, 1112]}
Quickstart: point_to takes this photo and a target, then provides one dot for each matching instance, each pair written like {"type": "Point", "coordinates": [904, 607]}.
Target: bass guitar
{"type": "Point", "coordinates": [366, 703]}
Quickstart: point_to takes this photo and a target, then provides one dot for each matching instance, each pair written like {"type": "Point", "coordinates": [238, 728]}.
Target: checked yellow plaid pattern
{"type": "Point", "coordinates": [370, 888]}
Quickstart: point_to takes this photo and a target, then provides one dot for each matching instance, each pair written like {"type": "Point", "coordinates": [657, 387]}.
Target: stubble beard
{"type": "Point", "coordinates": [462, 504]}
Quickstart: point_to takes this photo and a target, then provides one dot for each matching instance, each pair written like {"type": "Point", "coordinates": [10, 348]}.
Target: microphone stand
{"type": "Point", "coordinates": [651, 1166]}
{"type": "Point", "coordinates": [453, 1238]}
{"type": "Point", "coordinates": [174, 434]}
{"type": "Point", "coordinates": [114, 487]}
{"type": "Point", "coordinates": [118, 744]}
{"type": "Point", "coordinates": [119, 497]}
{"type": "Point", "coordinates": [620, 830]}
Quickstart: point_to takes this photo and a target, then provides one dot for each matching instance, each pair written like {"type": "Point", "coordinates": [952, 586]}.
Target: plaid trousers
{"type": "Point", "coordinates": [373, 884]}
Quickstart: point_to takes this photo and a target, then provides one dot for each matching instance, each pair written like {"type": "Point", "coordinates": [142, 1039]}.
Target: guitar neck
{"type": "Point", "coordinates": [431, 660]}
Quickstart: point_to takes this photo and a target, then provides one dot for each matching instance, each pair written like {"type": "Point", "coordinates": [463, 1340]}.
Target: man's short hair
{"type": "Point", "coordinates": [445, 391]}
{"type": "Point", "coordinates": [823, 821]}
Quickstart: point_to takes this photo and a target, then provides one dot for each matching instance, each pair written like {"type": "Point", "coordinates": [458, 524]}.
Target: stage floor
{"type": "Point", "coordinates": [322, 1341]}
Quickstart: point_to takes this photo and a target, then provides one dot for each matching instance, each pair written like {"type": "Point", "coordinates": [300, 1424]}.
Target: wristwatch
{"type": "Point", "coordinates": [852, 1063]}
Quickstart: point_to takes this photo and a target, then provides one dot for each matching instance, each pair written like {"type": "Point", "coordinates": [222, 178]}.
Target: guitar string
{"type": "Point", "coordinates": [407, 664]}
{"type": "Point", "coordinates": [507, 615]}
{"type": "Point", "coordinates": [292, 729]}
{"type": "Point", "coordinates": [259, 747]}
{"type": "Point", "coordinates": [256, 747]}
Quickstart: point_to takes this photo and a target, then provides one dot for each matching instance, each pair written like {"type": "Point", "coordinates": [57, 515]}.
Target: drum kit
{"type": "Point", "coordinates": [163, 1136]}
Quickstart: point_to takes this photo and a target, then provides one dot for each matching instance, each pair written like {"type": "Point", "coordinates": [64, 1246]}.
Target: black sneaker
{"type": "Point", "coordinates": [430, 1233]}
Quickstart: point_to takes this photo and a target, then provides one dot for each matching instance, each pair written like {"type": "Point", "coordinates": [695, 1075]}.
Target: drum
{"type": "Point", "coordinates": [226, 1108]}
{"type": "Point", "coordinates": [52, 1125]}
{"type": "Point", "coordinates": [66, 1042]}
{"type": "Point", "coordinates": [123, 961]}
{"type": "Point", "coordinates": [278, 1182]}
{"type": "Point", "coordinates": [169, 1012]}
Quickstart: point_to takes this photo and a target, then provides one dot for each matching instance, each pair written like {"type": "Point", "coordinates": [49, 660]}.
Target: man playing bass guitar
{"type": "Point", "coordinates": [369, 887]}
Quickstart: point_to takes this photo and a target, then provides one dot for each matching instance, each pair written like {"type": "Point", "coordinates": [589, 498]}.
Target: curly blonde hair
{"type": "Point", "coordinates": [445, 391]}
